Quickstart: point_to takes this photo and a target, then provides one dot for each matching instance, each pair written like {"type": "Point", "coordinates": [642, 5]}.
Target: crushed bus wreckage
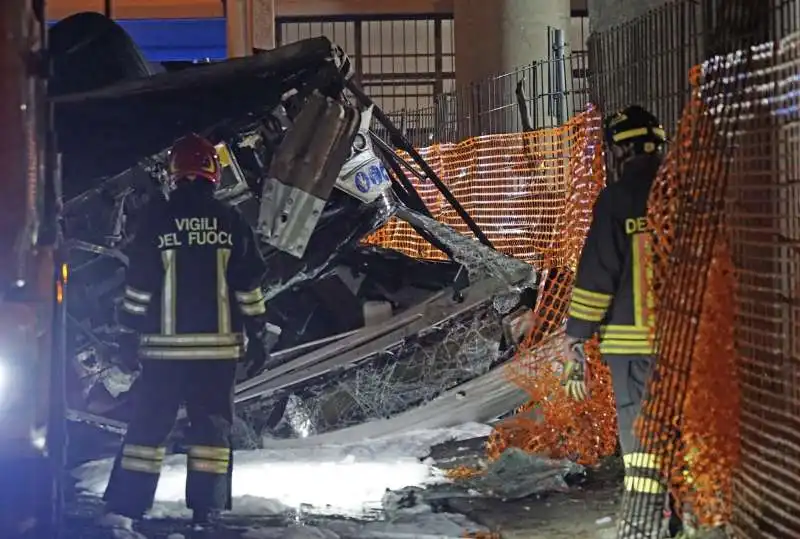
{"type": "Point", "coordinates": [367, 333]}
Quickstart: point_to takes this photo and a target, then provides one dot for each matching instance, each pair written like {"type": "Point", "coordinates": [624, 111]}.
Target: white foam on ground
{"type": "Point", "coordinates": [347, 479]}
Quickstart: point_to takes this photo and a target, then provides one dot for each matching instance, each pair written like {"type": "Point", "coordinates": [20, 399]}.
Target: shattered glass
{"type": "Point", "coordinates": [396, 379]}
{"type": "Point", "coordinates": [480, 261]}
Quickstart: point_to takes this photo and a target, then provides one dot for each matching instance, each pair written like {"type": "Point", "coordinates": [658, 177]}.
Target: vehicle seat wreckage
{"type": "Point", "coordinates": [363, 333]}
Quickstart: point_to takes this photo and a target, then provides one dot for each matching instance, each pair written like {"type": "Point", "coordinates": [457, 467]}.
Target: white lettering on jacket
{"type": "Point", "coordinates": [196, 224]}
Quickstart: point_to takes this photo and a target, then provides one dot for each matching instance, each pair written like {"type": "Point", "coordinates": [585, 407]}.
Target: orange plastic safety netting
{"type": "Point", "coordinates": [532, 194]}
{"type": "Point", "coordinates": [691, 416]}
{"type": "Point", "coordinates": [722, 214]}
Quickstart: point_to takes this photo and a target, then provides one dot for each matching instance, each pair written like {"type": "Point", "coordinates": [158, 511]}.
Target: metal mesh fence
{"type": "Point", "coordinates": [722, 410]}
{"type": "Point", "coordinates": [543, 94]}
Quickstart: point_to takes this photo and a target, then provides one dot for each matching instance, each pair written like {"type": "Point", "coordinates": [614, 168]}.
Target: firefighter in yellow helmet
{"type": "Point", "coordinates": [610, 298]}
{"type": "Point", "coordinates": [192, 289]}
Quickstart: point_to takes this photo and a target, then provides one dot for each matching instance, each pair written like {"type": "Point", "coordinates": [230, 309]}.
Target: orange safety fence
{"type": "Point", "coordinates": [532, 194]}
{"type": "Point", "coordinates": [724, 403]}
{"type": "Point", "coordinates": [691, 416]}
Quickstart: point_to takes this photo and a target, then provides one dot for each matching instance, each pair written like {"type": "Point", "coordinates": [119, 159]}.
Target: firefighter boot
{"type": "Point", "coordinates": [204, 518]}
{"type": "Point", "coordinates": [644, 518]}
{"type": "Point", "coordinates": [119, 526]}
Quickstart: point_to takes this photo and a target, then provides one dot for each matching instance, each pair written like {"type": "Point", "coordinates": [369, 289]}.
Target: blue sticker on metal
{"type": "Point", "coordinates": [362, 182]}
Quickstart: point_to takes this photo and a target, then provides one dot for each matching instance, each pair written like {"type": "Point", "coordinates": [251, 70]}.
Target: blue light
{"type": "Point", "coordinates": [165, 40]}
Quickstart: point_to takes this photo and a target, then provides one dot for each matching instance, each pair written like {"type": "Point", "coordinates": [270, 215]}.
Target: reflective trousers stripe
{"type": "Point", "coordinates": [143, 459]}
{"type": "Point", "coordinates": [642, 460]}
{"type": "Point", "coordinates": [137, 295]}
{"type": "Point", "coordinates": [207, 459]}
{"type": "Point", "coordinates": [133, 308]}
{"type": "Point", "coordinates": [133, 464]}
{"type": "Point", "coordinates": [643, 484]}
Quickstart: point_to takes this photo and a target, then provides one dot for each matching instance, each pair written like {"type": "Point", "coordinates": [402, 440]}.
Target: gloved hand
{"type": "Point", "coordinates": [255, 357]}
{"type": "Point", "coordinates": [259, 344]}
{"type": "Point", "coordinates": [576, 371]}
{"type": "Point", "coordinates": [128, 351]}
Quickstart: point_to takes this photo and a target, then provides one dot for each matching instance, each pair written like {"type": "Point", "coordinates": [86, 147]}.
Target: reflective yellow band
{"type": "Point", "coordinates": [224, 156]}
{"type": "Point", "coordinates": [626, 342]}
{"type": "Point", "coordinates": [137, 295]}
{"type": "Point", "coordinates": [624, 332]}
{"type": "Point", "coordinates": [250, 297]}
{"type": "Point", "coordinates": [643, 484]}
{"type": "Point", "coordinates": [642, 460]}
{"type": "Point", "coordinates": [211, 453]}
{"type": "Point", "coordinates": [143, 452]}
{"type": "Point", "coordinates": [254, 309]}
{"type": "Point", "coordinates": [168, 292]}
{"type": "Point", "coordinates": [641, 131]}
{"type": "Point", "coordinates": [192, 339]}
{"type": "Point", "coordinates": [586, 313]}
{"type": "Point", "coordinates": [208, 466]}
{"type": "Point", "coordinates": [594, 299]}
{"type": "Point", "coordinates": [133, 308]}
{"type": "Point", "coordinates": [220, 352]}
{"type": "Point", "coordinates": [223, 293]}
{"type": "Point", "coordinates": [635, 348]}
{"type": "Point", "coordinates": [140, 465]}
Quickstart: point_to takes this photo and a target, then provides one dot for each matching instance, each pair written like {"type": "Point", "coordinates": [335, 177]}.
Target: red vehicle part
{"type": "Point", "coordinates": [31, 290]}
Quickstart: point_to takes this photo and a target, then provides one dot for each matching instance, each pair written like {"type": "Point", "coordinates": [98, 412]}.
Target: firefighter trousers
{"type": "Point", "coordinates": [206, 387]}
{"type": "Point", "coordinates": [645, 495]}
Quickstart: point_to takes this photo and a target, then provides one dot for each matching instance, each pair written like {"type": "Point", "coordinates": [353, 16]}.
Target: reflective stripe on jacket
{"type": "Point", "coordinates": [611, 295]}
{"type": "Point", "coordinates": [195, 274]}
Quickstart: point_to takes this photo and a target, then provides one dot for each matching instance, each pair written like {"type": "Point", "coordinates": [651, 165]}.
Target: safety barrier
{"type": "Point", "coordinates": [532, 193]}
{"type": "Point", "coordinates": [723, 409]}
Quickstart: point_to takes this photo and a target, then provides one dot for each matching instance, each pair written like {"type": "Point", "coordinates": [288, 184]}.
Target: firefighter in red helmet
{"type": "Point", "coordinates": [193, 289]}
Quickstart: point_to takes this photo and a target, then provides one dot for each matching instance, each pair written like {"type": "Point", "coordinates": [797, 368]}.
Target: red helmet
{"type": "Point", "coordinates": [194, 157]}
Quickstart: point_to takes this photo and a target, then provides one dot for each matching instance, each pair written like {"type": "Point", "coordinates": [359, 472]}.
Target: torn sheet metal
{"type": "Point", "coordinates": [303, 172]}
{"type": "Point", "coordinates": [481, 262]}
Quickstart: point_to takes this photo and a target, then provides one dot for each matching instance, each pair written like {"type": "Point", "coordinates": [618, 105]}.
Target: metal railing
{"type": "Point", "coordinates": [545, 93]}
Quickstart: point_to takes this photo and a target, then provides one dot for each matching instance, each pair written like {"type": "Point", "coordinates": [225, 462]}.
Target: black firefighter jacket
{"type": "Point", "coordinates": [195, 273]}
{"type": "Point", "coordinates": [611, 286]}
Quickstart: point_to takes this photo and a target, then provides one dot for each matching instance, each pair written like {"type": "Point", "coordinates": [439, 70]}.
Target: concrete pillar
{"type": "Point", "coordinates": [263, 16]}
{"type": "Point", "coordinates": [496, 37]}
{"type": "Point", "coordinates": [250, 26]}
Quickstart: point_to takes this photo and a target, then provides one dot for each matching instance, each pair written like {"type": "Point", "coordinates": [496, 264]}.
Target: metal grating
{"type": "Point", "coordinates": [722, 409]}
{"type": "Point", "coordinates": [401, 63]}
{"type": "Point", "coordinates": [554, 89]}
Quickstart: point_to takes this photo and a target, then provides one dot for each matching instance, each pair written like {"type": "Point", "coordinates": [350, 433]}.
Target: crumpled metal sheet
{"type": "Point", "coordinates": [344, 222]}
{"type": "Point", "coordinates": [398, 378]}
{"type": "Point", "coordinates": [517, 474]}
{"type": "Point", "coordinates": [480, 261]}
